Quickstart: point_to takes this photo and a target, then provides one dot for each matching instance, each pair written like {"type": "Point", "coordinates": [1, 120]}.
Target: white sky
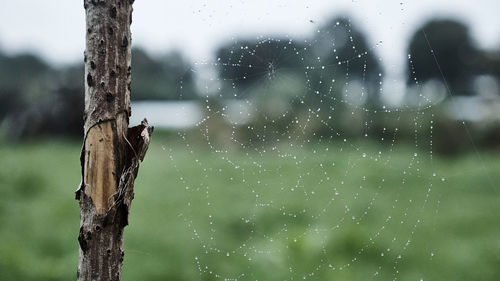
{"type": "Point", "coordinates": [55, 28]}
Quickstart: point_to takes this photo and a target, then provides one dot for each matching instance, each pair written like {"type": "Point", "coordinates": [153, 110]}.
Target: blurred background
{"type": "Point", "coordinates": [355, 140]}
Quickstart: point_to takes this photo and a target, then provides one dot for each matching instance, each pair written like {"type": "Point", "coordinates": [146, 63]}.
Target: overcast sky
{"type": "Point", "coordinates": [55, 29]}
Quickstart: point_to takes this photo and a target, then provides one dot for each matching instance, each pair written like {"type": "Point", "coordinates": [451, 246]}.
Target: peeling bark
{"type": "Point", "coordinates": [111, 151]}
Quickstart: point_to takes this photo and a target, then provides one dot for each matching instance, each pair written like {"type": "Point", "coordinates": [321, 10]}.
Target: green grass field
{"type": "Point", "coordinates": [323, 213]}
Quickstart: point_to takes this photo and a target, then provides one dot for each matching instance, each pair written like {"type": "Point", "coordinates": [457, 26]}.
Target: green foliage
{"type": "Point", "coordinates": [457, 238]}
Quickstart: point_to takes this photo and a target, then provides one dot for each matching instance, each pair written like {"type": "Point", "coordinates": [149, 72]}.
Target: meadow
{"type": "Point", "coordinates": [327, 213]}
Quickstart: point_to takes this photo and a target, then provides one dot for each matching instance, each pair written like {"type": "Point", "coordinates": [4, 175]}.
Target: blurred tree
{"type": "Point", "coordinates": [169, 77]}
{"type": "Point", "coordinates": [489, 63]}
{"type": "Point", "coordinates": [16, 70]}
{"type": "Point", "coordinates": [25, 82]}
{"type": "Point", "coordinates": [22, 78]}
{"type": "Point", "coordinates": [37, 99]}
{"type": "Point", "coordinates": [342, 55]}
{"type": "Point", "coordinates": [67, 100]}
{"type": "Point", "coordinates": [244, 63]}
{"type": "Point", "coordinates": [45, 107]}
{"type": "Point", "coordinates": [448, 42]}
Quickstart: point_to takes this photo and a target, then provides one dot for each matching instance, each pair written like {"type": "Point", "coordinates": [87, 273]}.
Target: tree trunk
{"type": "Point", "coordinates": [111, 151]}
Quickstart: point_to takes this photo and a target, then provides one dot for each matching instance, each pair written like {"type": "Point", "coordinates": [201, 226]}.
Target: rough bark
{"type": "Point", "coordinates": [111, 151]}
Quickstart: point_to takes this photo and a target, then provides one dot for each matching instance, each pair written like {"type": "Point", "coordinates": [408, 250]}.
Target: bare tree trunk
{"type": "Point", "coordinates": [111, 151]}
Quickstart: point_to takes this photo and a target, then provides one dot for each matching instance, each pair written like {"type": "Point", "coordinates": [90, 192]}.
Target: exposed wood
{"type": "Point", "coordinates": [100, 182]}
{"type": "Point", "coordinates": [111, 151]}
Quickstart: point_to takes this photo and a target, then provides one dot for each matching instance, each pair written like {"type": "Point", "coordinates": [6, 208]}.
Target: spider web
{"type": "Point", "coordinates": [300, 174]}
